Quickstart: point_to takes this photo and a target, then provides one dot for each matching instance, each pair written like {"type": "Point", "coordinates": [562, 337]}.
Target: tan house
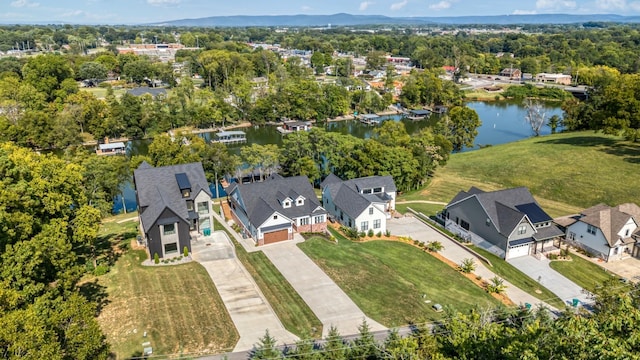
{"type": "Point", "coordinates": [561, 79]}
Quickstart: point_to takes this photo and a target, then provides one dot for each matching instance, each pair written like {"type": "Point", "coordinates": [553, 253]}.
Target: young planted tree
{"type": "Point", "coordinates": [467, 266]}
{"type": "Point", "coordinates": [266, 348]}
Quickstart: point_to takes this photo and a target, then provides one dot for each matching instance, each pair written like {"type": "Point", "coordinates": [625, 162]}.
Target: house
{"type": "Point", "coordinates": [116, 148]}
{"type": "Point", "coordinates": [554, 78]}
{"type": "Point", "coordinates": [174, 205]}
{"type": "Point", "coordinates": [363, 203]}
{"type": "Point", "coordinates": [273, 210]}
{"type": "Point", "coordinates": [290, 126]}
{"type": "Point", "coordinates": [610, 233]}
{"type": "Point", "coordinates": [511, 220]}
{"type": "Point", "coordinates": [511, 73]}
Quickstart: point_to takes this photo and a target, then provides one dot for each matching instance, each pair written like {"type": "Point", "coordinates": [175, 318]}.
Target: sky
{"type": "Point", "coordinates": [146, 11]}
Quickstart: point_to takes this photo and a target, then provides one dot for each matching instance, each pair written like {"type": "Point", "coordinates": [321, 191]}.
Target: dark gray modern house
{"type": "Point", "coordinates": [510, 219]}
{"type": "Point", "coordinates": [174, 205]}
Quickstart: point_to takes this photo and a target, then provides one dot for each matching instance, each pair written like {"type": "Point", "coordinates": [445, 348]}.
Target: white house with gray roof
{"type": "Point", "coordinates": [174, 203]}
{"type": "Point", "coordinates": [510, 219]}
{"type": "Point", "coordinates": [363, 203]}
{"type": "Point", "coordinates": [608, 232]}
{"type": "Point", "coordinates": [274, 209]}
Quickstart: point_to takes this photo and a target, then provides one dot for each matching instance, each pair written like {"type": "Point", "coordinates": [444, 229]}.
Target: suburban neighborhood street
{"type": "Point", "coordinates": [249, 310]}
{"type": "Point", "coordinates": [330, 303]}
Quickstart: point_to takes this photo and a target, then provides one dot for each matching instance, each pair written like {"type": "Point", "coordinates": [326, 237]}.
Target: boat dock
{"type": "Point", "coordinates": [370, 119]}
{"type": "Point", "coordinates": [230, 137]}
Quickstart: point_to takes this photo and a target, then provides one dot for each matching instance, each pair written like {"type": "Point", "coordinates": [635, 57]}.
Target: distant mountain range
{"type": "Point", "coordinates": [359, 20]}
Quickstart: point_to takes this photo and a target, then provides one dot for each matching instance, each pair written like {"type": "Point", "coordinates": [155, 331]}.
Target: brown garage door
{"type": "Point", "coordinates": [275, 236]}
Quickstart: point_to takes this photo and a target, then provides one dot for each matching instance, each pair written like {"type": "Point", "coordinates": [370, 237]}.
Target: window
{"type": "Point", "coordinates": [169, 229]}
{"type": "Point", "coordinates": [203, 207]}
{"type": "Point", "coordinates": [377, 190]}
{"type": "Point", "coordinates": [186, 193]}
{"type": "Point", "coordinates": [626, 233]}
{"type": "Point", "coordinates": [299, 202]}
{"type": "Point", "coordinates": [522, 229]}
{"type": "Point", "coordinates": [171, 248]}
{"type": "Point", "coordinates": [304, 221]}
{"type": "Point", "coordinates": [377, 223]}
{"type": "Point", "coordinates": [591, 229]}
{"type": "Point", "coordinates": [190, 205]}
{"type": "Point", "coordinates": [464, 224]}
{"type": "Point", "coordinates": [364, 226]}
{"type": "Point", "coordinates": [286, 204]}
{"type": "Point", "coordinates": [371, 211]}
{"type": "Point", "coordinates": [366, 191]}
{"type": "Point", "coordinates": [488, 222]}
{"type": "Point", "coordinates": [318, 219]}
{"type": "Point", "coordinates": [275, 217]}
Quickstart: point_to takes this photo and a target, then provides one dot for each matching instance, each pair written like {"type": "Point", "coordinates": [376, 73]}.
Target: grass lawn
{"type": "Point", "coordinates": [101, 93]}
{"type": "Point", "coordinates": [519, 279]}
{"type": "Point", "coordinates": [295, 314]}
{"type": "Point", "coordinates": [387, 279]}
{"type": "Point", "coordinates": [427, 209]}
{"type": "Point", "coordinates": [566, 172]}
{"type": "Point", "coordinates": [582, 272]}
{"type": "Point", "coordinates": [178, 306]}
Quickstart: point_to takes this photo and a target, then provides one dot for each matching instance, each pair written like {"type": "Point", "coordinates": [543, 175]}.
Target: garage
{"type": "Point", "coordinates": [519, 248]}
{"type": "Point", "coordinates": [275, 236]}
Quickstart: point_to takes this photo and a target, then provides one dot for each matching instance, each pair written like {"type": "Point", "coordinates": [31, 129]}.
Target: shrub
{"type": "Point", "coordinates": [434, 246]}
{"type": "Point", "coordinates": [362, 234]}
{"type": "Point", "coordinates": [478, 277]}
{"type": "Point", "coordinates": [496, 285]}
{"type": "Point", "coordinates": [370, 233]}
{"type": "Point", "coordinates": [379, 234]}
{"type": "Point", "coordinates": [100, 270]}
{"type": "Point", "coordinates": [387, 233]}
{"type": "Point", "coordinates": [185, 251]}
{"type": "Point", "coordinates": [553, 256]}
{"type": "Point", "coordinates": [564, 252]}
{"type": "Point", "coordinates": [416, 242]}
{"type": "Point", "coordinates": [351, 233]}
{"type": "Point", "coordinates": [467, 265]}
{"type": "Point", "coordinates": [156, 258]}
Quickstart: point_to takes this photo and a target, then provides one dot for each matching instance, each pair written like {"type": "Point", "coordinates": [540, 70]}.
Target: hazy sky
{"type": "Point", "coordinates": [141, 11]}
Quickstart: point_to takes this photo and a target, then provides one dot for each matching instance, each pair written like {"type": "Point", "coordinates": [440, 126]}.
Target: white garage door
{"type": "Point", "coordinates": [518, 251]}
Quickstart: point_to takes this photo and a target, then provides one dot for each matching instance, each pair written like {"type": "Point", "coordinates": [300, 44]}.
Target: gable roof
{"type": "Point", "coordinates": [505, 208]}
{"type": "Point", "coordinates": [346, 194]}
{"type": "Point", "coordinates": [609, 220]}
{"type": "Point", "coordinates": [262, 199]}
{"type": "Point", "coordinates": [158, 189]}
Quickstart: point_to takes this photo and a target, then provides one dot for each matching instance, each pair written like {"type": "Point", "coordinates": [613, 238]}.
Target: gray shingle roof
{"type": "Point", "coordinates": [506, 208]}
{"type": "Point", "coordinates": [158, 189]}
{"type": "Point", "coordinates": [262, 199]}
{"type": "Point", "coordinates": [346, 194]}
{"type": "Point", "coordinates": [139, 91]}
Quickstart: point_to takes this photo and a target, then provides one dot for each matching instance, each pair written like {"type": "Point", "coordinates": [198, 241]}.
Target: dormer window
{"type": "Point", "coordinates": [299, 202]}
{"type": "Point", "coordinates": [366, 191]}
{"type": "Point", "coordinates": [186, 193]}
{"type": "Point", "coordinates": [377, 190]}
{"type": "Point", "coordinates": [286, 204]}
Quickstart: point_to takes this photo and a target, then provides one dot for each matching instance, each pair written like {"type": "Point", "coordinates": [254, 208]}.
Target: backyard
{"type": "Point", "coordinates": [395, 283]}
{"type": "Point", "coordinates": [519, 279]}
{"type": "Point", "coordinates": [566, 172]}
{"type": "Point", "coordinates": [178, 306]}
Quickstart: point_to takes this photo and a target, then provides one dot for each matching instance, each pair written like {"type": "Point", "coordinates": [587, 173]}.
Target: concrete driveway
{"type": "Point", "coordinates": [330, 304]}
{"type": "Point", "coordinates": [249, 310]}
{"type": "Point", "coordinates": [540, 271]}
{"type": "Point", "coordinates": [628, 268]}
{"type": "Point", "coordinates": [417, 230]}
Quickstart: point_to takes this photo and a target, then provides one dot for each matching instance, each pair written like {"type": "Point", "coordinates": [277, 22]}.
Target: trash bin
{"type": "Point", "coordinates": [575, 302]}
{"type": "Point", "coordinates": [206, 232]}
{"type": "Point", "coordinates": [527, 306]}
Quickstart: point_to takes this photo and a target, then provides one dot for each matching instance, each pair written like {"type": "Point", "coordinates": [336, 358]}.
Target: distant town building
{"type": "Point", "coordinates": [561, 79]}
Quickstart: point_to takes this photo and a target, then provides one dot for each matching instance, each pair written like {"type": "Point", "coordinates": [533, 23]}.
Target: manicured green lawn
{"type": "Point", "coordinates": [582, 272]}
{"type": "Point", "coordinates": [387, 280]}
{"type": "Point", "coordinates": [178, 306]}
{"type": "Point", "coordinates": [519, 279]}
{"type": "Point", "coordinates": [566, 172]}
{"type": "Point", "coordinates": [427, 209]}
{"type": "Point", "coordinates": [295, 314]}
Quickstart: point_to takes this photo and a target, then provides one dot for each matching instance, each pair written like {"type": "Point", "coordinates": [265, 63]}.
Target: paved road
{"type": "Point", "coordinates": [417, 230]}
{"type": "Point", "coordinates": [539, 270]}
{"type": "Point", "coordinates": [330, 304]}
{"type": "Point", "coordinates": [249, 310]}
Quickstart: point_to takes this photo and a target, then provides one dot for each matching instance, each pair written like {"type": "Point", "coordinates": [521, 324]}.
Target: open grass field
{"type": "Point", "coordinates": [293, 312]}
{"type": "Point", "coordinates": [178, 306]}
{"type": "Point", "coordinates": [427, 209]}
{"type": "Point", "coordinates": [582, 272]}
{"type": "Point", "coordinates": [101, 93]}
{"type": "Point", "coordinates": [565, 172]}
{"type": "Point", "coordinates": [519, 279]}
{"type": "Point", "coordinates": [390, 281]}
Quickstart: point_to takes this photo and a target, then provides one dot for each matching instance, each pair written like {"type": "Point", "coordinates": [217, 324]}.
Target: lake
{"type": "Point", "coordinates": [502, 122]}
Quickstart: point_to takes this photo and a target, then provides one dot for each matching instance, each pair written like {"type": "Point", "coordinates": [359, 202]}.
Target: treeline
{"type": "Point", "coordinates": [612, 106]}
{"type": "Point", "coordinates": [609, 331]}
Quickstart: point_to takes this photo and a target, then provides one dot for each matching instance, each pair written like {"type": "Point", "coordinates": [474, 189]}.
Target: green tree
{"type": "Point", "coordinates": [461, 126]}
{"type": "Point", "coordinates": [85, 229]}
{"type": "Point", "coordinates": [46, 73]}
{"type": "Point", "coordinates": [93, 70]}
{"type": "Point", "coordinates": [266, 348]}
